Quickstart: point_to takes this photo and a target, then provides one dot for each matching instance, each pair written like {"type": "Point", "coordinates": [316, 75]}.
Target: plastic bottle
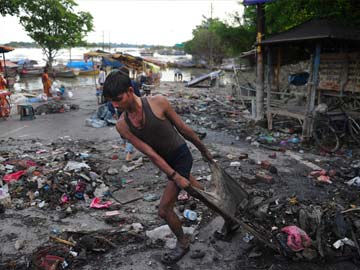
{"type": "Point", "coordinates": [191, 215]}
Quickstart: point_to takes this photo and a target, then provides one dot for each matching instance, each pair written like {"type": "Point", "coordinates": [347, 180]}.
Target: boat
{"type": "Point", "coordinates": [171, 52]}
{"type": "Point", "coordinates": [31, 72]}
{"type": "Point", "coordinates": [89, 72]}
{"type": "Point", "coordinates": [187, 63]}
{"type": "Point", "coordinates": [11, 69]}
{"type": "Point", "coordinates": [209, 80]}
{"type": "Point", "coordinates": [146, 53]}
{"type": "Point", "coordinates": [66, 73]}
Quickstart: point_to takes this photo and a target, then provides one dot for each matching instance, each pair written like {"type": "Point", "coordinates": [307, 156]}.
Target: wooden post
{"type": "Point", "coordinates": [270, 73]}
{"type": "Point", "coordinates": [310, 104]}
{"type": "Point", "coordinates": [278, 68]}
{"type": "Point", "coordinates": [344, 75]}
{"type": "Point", "coordinates": [260, 64]}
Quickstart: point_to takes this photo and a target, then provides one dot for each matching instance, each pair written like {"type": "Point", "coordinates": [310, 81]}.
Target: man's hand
{"type": "Point", "coordinates": [207, 156]}
{"type": "Point", "coordinates": [181, 181]}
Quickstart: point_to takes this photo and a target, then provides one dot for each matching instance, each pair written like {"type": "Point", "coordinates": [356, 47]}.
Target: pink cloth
{"type": "Point", "coordinates": [13, 176]}
{"type": "Point", "coordinates": [96, 203]}
{"type": "Point", "coordinates": [297, 239]}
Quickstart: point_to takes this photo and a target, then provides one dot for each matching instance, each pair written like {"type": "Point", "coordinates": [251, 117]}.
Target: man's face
{"type": "Point", "coordinates": [121, 101]}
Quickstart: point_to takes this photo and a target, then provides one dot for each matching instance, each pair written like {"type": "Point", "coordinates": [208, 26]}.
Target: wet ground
{"type": "Point", "coordinates": [115, 242]}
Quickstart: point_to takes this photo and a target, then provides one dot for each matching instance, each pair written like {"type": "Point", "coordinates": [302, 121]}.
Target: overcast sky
{"type": "Point", "coordinates": [156, 22]}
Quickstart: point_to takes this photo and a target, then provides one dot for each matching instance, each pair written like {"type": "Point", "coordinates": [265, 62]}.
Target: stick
{"type": "Point", "coordinates": [59, 240]}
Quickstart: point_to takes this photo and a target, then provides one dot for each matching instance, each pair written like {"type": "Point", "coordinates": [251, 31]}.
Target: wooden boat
{"type": "Point", "coordinates": [171, 52]}
{"type": "Point", "coordinates": [89, 72]}
{"type": "Point", "coordinates": [146, 53]}
{"type": "Point", "coordinates": [210, 78]}
{"type": "Point", "coordinates": [31, 72]}
{"type": "Point", "coordinates": [66, 73]}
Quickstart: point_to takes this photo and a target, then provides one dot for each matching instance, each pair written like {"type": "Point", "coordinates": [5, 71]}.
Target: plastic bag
{"type": "Point", "coordinates": [297, 239]}
{"type": "Point", "coordinates": [69, 94]}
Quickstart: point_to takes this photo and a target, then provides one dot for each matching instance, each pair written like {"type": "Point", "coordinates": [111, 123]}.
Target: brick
{"type": "Point", "coordinates": [264, 178]}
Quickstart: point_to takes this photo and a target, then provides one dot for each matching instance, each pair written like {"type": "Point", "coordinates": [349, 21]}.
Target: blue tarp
{"type": "Point", "coordinates": [108, 62]}
{"type": "Point", "coordinates": [82, 65]}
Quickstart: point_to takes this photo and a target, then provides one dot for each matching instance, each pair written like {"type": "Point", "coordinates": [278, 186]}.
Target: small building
{"type": "Point", "coordinates": [332, 52]}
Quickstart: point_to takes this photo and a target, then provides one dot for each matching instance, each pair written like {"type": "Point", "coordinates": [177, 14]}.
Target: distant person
{"type": "Point", "coordinates": [157, 77]}
{"type": "Point", "coordinates": [102, 76]}
{"type": "Point", "coordinates": [46, 83]}
{"type": "Point", "coordinates": [141, 79]}
{"type": "Point", "coordinates": [150, 77]}
{"type": "Point", "coordinates": [61, 91]}
{"type": "Point", "coordinates": [3, 82]}
{"type": "Point", "coordinates": [178, 76]}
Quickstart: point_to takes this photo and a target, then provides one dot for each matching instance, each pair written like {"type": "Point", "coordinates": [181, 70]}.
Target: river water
{"type": "Point", "coordinates": [65, 55]}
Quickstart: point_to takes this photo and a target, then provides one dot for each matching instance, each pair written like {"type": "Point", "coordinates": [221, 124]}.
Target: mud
{"type": "Point", "coordinates": [51, 140]}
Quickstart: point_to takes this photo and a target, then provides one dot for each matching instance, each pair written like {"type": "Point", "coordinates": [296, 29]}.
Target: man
{"type": "Point", "coordinates": [153, 127]}
{"type": "Point", "coordinates": [178, 75]}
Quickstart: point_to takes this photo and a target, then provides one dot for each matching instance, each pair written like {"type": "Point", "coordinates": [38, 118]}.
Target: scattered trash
{"type": "Point", "coordinates": [354, 182]}
{"type": "Point", "coordinates": [112, 213]}
{"type": "Point", "coordinates": [297, 239]}
{"type": "Point", "coordinates": [112, 171]}
{"type": "Point", "coordinates": [248, 237]}
{"type": "Point", "coordinates": [235, 164]}
{"type": "Point", "coordinates": [75, 166]}
{"type": "Point", "coordinates": [151, 197]}
{"type": "Point", "coordinates": [96, 203]}
{"type": "Point", "coordinates": [163, 232]}
{"type": "Point", "coordinates": [243, 156]}
{"type": "Point", "coordinates": [13, 176]}
{"type": "Point", "coordinates": [183, 196]}
{"type": "Point", "coordinates": [190, 215]}
{"type": "Point", "coordinates": [345, 241]}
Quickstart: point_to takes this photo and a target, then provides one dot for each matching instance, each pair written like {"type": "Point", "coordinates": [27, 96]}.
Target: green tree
{"type": "Point", "coordinates": [206, 43]}
{"type": "Point", "coordinates": [214, 40]}
{"type": "Point", "coordinates": [10, 7]}
{"type": "Point", "coordinates": [281, 15]}
{"type": "Point", "coordinates": [54, 25]}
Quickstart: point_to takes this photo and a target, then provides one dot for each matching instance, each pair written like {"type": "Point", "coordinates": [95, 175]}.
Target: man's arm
{"type": "Point", "coordinates": [184, 129]}
{"type": "Point", "coordinates": [143, 147]}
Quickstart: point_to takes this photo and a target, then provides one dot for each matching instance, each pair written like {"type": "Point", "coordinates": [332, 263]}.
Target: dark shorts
{"type": "Point", "coordinates": [181, 161]}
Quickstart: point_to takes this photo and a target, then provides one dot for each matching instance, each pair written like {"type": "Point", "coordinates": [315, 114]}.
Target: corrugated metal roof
{"type": "Point", "coordinates": [315, 29]}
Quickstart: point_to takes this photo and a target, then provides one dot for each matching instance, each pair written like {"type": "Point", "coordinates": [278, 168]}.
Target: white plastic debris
{"type": "Point", "coordinates": [75, 166]}
{"type": "Point", "coordinates": [235, 164]}
{"type": "Point", "coordinates": [354, 182]}
{"type": "Point", "coordinates": [341, 242]}
{"type": "Point", "coordinates": [164, 232]}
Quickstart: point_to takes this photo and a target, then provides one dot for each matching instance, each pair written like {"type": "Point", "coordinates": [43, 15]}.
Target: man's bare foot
{"type": "Point", "coordinates": [173, 256]}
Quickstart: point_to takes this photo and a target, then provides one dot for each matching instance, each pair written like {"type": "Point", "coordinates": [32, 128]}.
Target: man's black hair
{"type": "Point", "coordinates": [116, 83]}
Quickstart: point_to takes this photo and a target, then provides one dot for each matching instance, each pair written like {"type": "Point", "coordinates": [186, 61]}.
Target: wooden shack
{"type": "Point", "coordinates": [332, 52]}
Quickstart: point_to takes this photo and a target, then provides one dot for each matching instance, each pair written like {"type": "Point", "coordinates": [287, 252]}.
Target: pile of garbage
{"type": "Point", "coordinates": [313, 216]}
{"type": "Point", "coordinates": [55, 107]}
{"type": "Point", "coordinates": [48, 177]}
{"type": "Point", "coordinates": [65, 178]}
{"type": "Point", "coordinates": [101, 118]}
